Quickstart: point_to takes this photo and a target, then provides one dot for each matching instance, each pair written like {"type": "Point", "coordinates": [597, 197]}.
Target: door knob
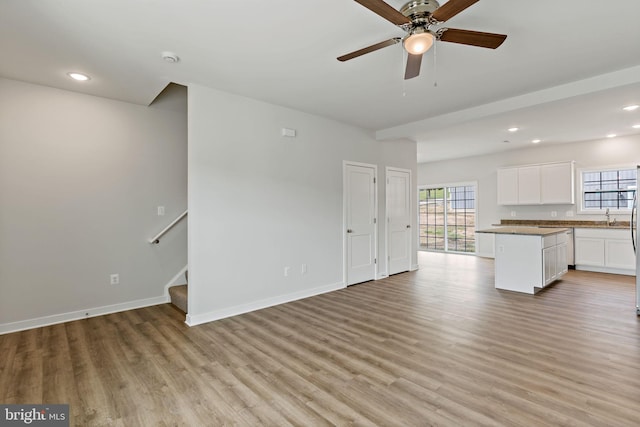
{"type": "Point", "coordinates": [349, 230]}
{"type": "Point", "coordinates": [408, 226]}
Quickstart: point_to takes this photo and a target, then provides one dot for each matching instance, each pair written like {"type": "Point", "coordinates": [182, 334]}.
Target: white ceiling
{"type": "Point", "coordinates": [563, 74]}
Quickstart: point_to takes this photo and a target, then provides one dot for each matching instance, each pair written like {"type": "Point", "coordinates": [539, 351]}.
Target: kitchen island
{"type": "Point", "coordinates": [528, 258]}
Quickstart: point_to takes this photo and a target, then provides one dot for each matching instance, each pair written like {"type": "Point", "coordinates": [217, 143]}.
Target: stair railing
{"type": "Point", "coordinates": [156, 239]}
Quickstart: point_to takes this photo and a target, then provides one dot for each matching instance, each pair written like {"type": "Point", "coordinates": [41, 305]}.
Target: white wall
{"type": "Point", "coordinates": [621, 151]}
{"type": "Point", "coordinates": [259, 202]}
{"type": "Point", "coordinates": [80, 180]}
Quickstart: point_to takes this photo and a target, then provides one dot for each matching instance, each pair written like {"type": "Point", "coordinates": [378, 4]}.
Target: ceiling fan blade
{"type": "Point", "coordinates": [413, 66]}
{"type": "Point", "coordinates": [384, 10]}
{"type": "Point", "coordinates": [473, 38]}
{"type": "Point", "coordinates": [451, 9]}
{"type": "Point", "coordinates": [368, 49]}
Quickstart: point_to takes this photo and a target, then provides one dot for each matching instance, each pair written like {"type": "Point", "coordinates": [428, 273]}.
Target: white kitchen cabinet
{"type": "Point", "coordinates": [529, 185]}
{"type": "Point", "coordinates": [605, 250]}
{"type": "Point", "coordinates": [563, 265]}
{"type": "Point", "coordinates": [550, 261]}
{"type": "Point", "coordinates": [549, 183]}
{"type": "Point", "coordinates": [589, 251]}
{"type": "Point", "coordinates": [619, 254]}
{"type": "Point", "coordinates": [508, 186]}
{"type": "Point", "coordinates": [554, 256]}
{"type": "Point", "coordinates": [557, 182]}
{"type": "Point", "coordinates": [555, 262]}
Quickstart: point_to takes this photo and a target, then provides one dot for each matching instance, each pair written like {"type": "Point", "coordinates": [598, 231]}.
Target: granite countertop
{"type": "Point", "coordinates": [529, 231]}
{"type": "Point", "coordinates": [562, 223]}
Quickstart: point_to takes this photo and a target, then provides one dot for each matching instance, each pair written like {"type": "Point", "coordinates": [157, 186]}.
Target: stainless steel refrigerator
{"type": "Point", "coordinates": [634, 240]}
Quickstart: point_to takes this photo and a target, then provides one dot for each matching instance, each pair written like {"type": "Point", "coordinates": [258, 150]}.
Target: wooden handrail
{"type": "Point", "coordinates": [156, 239]}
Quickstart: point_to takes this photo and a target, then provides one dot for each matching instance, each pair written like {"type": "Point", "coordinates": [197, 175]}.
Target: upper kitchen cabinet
{"type": "Point", "coordinates": [508, 186]}
{"type": "Point", "coordinates": [529, 190]}
{"type": "Point", "coordinates": [546, 184]}
{"type": "Point", "coordinates": [557, 183]}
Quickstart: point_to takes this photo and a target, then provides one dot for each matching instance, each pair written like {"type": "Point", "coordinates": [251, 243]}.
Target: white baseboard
{"type": "Point", "coordinates": [609, 270]}
{"type": "Point", "coordinates": [414, 267]}
{"type": "Point", "coordinates": [176, 280]}
{"type": "Point", "coordinates": [22, 325]}
{"type": "Point", "coordinates": [198, 319]}
{"type": "Point", "coordinates": [382, 275]}
{"type": "Point", "coordinates": [485, 255]}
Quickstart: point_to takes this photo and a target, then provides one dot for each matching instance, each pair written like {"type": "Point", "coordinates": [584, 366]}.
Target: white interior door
{"type": "Point", "coordinates": [399, 220]}
{"type": "Point", "coordinates": [360, 223]}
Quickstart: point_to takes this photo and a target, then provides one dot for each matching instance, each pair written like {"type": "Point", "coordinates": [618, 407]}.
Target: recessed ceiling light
{"type": "Point", "coordinates": [514, 129]}
{"type": "Point", "coordinates": [536, 141]}
{"type": "Point", "coordinates": [630, 107]}
{"type": "Point", "coordinates": [636, 126]}
{"type": "Point", "coordinates": [611, 135]}
{"type": "Point", "coordinates": [79, 77]}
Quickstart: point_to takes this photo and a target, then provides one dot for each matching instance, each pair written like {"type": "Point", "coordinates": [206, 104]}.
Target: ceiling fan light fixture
{"type": "Point", "coordinates": [418, 42]}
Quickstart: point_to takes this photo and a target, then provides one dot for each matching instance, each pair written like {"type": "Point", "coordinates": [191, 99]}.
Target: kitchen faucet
{"type": "Point", "coordinates": [609, 222]}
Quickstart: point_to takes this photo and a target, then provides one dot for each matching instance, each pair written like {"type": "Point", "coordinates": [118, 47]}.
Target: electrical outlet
{"type": "Point", "coordinates": [554, 214]}
{"type": "Point", "coordinates": [115, 279]}
{"type": "Point", "coordinates": [568, 214]}
{"type": "Point", "coordinates": [160, 210]}
{"type": "Point", "coordinates": [513, 213]}
{"type": "Point", "coordinates": [286, 271]}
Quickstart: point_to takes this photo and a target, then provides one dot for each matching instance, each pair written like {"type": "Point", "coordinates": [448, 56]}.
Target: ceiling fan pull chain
{"type": "Point", "coordinates": [402, 62]}
{"type": "Point", "coordinates": [435, 65]}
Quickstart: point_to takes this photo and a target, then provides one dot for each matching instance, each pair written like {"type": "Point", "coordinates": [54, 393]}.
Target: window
{"type": "Point", "coordinates": [447, 218]}
{"type": "Point", "coordinates": [608, 189]}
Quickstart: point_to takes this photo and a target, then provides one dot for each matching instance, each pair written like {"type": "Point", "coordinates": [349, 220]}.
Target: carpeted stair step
{"type": "Point", "coordinates": [178, 296]}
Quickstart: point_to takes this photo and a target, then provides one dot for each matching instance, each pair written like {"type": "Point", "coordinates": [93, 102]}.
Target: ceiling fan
{"type": "Point", "coordinates": [421, 19]}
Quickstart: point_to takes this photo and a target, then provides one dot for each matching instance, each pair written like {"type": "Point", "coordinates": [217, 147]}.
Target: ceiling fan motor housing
{"type": "Point", "coordinates": [420, 11]}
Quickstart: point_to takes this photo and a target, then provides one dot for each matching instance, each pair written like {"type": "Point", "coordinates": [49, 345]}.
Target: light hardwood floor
{"type": "Point", "coordinates": [439, 346]}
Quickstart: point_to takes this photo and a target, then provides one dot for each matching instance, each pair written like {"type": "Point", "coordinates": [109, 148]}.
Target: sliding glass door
{"type": "Point", "coordinates": [432, 228]}
{"type": "Point", "coordinates": [447, 218]}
